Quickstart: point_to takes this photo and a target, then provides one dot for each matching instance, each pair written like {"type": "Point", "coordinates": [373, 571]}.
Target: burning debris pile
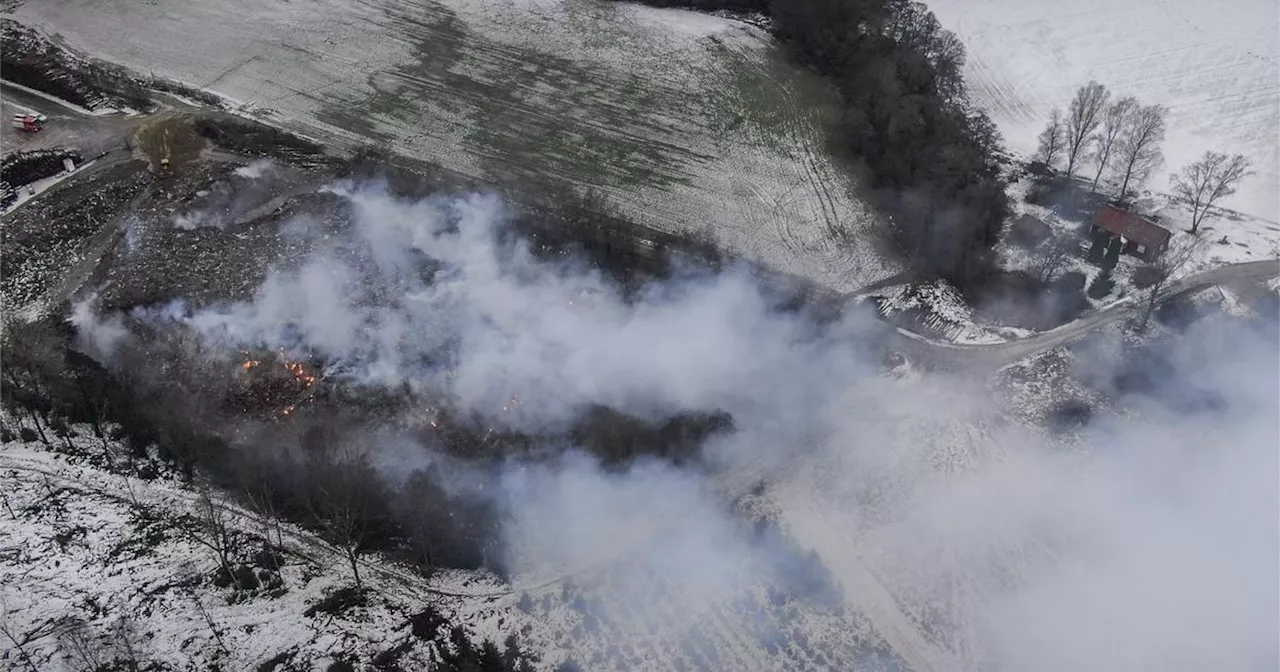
{"type": "Point", "coordinates": [271, 384]}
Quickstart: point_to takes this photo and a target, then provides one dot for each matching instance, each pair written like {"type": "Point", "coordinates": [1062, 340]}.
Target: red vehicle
{"type": "Point", "coordinates": [32, 122]}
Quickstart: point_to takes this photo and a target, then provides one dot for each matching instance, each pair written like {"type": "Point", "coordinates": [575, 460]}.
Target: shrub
{"type": "Point", "coordinates": [426, 623]}
{"type": "Point", "coordinates": [337, 602]}
{"type": "Point", "coordinates": [1101, 285]}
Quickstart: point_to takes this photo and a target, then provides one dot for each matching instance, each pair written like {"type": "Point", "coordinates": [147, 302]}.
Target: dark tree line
{"type": "Point", "coordinates": [930, 159]}
{"type": "Point", "coordinates": [166, 398]}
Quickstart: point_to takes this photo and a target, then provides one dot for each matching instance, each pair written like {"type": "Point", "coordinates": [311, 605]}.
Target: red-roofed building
{"type": "Point", "coordinates": [1142, 237]}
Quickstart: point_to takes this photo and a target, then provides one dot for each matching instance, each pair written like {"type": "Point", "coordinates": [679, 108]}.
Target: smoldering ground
{"type": "Point", "coordinates": [914, 515]}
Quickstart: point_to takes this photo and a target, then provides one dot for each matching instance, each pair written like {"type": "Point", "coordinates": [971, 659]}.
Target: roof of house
{"type": "Point", "coordinates": [1138, 229]}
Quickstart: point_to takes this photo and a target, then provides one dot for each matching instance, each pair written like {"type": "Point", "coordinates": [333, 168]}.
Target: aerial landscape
{"type": "Point", "coordinates": [577, 335]}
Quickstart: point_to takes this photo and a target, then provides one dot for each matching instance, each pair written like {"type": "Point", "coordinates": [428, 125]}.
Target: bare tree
{"type": "Point", "coordinates": [78, 641]}
{"type": "Point", "coordinates": [16, 637]}
{"type": "Point", "coordinates": [1113, 122]}
{"type": "Point", "coordinates": [213, 627]}
{"type": "Point", "coordinates": [1203, 183]}
{"type": "Point", "coordinates": [96, 401]}
{"type": "Point", "coordinates": [214, 532]}
{"type": "Point", "coordinates": [1162, 270]}
{"type": "Point", "coordinates": [1052, 138]}
{"type": "Point", "coordinates": [1054, 253]}
{"type": "Point", "coordinates": [256, 488]}
{"type": "Point", "coordinates": [1083, 118]}
{"type": "Point", "coordinates": [125, 644]}
{"type": "Point", "coordinates": [4, 499]}
{"type": "Point", "coordinates": [26, 357]}
{"type": "Point", "coordinates": [1138, 147]}
{"type": "Point", "coordinates": [340, 497]}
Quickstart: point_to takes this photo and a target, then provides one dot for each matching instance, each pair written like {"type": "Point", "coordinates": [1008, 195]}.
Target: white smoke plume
{"type": "Point", "coordinates": [223, 202]}
{"type": "Point", "coordinates": [966, 540]}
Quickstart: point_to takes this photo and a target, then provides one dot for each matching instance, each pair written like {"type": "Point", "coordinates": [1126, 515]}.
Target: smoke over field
{"type": "Point", "coordinates": [824, 516]}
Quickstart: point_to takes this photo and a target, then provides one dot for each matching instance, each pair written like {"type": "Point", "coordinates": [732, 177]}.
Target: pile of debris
{"type": "Point", "coordinates": [22, 168]}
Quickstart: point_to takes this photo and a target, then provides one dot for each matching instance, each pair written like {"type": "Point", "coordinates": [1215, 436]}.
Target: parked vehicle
{"type": "Point", "coordinates": [31, 122]}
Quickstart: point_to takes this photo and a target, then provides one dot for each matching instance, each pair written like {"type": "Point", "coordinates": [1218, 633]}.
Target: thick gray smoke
{"type": "Point", "coordinates": [966, 540]}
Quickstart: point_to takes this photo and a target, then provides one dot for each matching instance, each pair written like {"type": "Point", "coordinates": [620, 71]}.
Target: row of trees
{"type": "Point", "coordinates": [1123, 137]}
{"type": "Point", "coordinates": [1119, 136]}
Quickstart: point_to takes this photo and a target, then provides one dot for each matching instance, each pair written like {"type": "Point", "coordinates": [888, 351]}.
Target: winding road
{"type": "Point", "coordinates": [951, 356]}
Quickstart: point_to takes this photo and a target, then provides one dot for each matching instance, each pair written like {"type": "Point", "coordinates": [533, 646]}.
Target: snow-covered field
{"type": "Point", "coordinates": [687, 121]}
{"type": "Point", "coordinates": [1215, 65]}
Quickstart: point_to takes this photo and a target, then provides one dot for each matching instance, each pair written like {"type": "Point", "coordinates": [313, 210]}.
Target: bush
{"type": "Point", "coordinates": [28, 435]}
{"type": "Point", "coordinates": [1101, 285]}
{"type": "Point", "coordinates": [1070, 282]}
{"type": "Point", "coordinates": [426, 623]}
{"type": "Point", "coordinates": [337, 602]}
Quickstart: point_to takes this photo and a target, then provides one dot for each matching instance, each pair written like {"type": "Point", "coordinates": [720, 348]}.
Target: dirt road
{"type": "Point", "coordinates": [953, 356]}
{"type": "Point", "coordinates": [67, 126]}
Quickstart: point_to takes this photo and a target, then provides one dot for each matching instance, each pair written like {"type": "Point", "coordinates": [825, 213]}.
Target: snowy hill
{"type": "Point", "coordinates": [97, 567]}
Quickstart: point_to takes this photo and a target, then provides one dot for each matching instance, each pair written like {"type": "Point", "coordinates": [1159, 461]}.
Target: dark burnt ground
{"type": "Point", "coordinates": [210, 235]}
{"type": "Point", "coordinates": [45, 237]}
{"type": "Point", "coordinates": [205, 233]}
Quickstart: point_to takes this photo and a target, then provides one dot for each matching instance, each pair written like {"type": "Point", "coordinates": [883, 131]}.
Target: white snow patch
{"type": "Point", "coordinates": [254, 170]}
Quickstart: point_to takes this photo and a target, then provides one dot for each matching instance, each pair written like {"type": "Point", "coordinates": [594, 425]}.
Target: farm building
{"type": "Point", "coordinates": [1141, 237]}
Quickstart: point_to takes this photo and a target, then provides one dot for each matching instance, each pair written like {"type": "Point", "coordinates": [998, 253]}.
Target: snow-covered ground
{"type": "Point", "coordinates": [1228, 237]}
{"type": "Point", "coordinates": [121, 568]}
{"type": "Point", "coordinates": [89, 555]}
{"type": "Point", "coordinates": [687, 121]}
{"type": "Point", "coordinates": [1213, 64]}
